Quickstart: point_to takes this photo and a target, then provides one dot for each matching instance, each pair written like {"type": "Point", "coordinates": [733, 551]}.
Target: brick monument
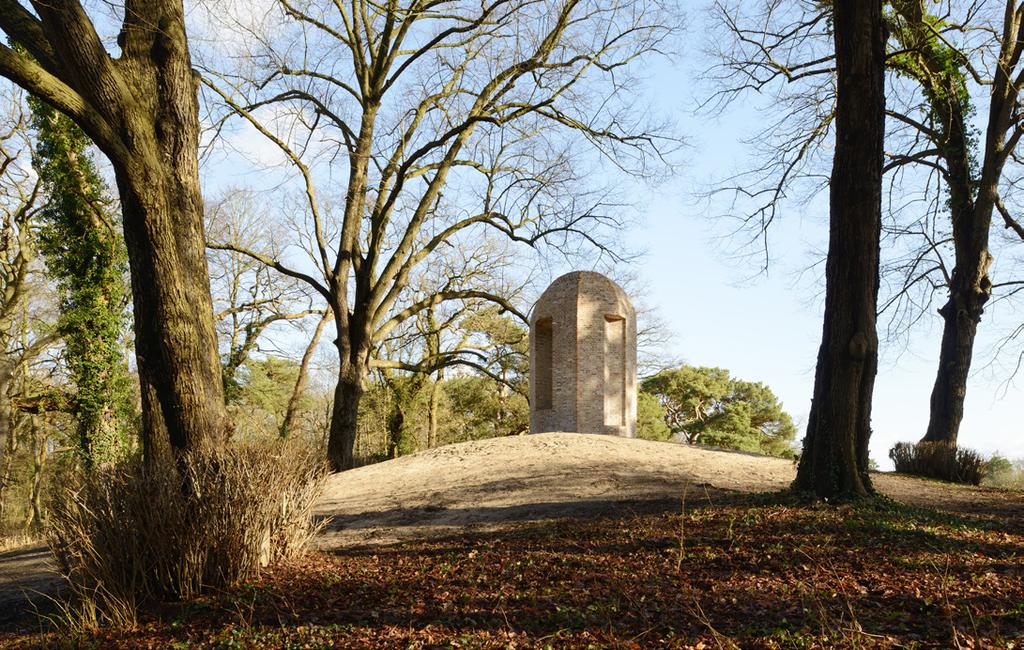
{"type": "Point", "coordinates": [583, 357]}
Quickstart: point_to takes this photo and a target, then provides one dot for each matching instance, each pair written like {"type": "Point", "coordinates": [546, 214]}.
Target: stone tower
{"type": "Point", "coordinates": [583, 357]}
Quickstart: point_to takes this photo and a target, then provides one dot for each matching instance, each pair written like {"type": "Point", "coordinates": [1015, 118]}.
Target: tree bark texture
{"type": "Point", "coordinates": [141, 109]}
{"type": "Point", "coordinates": [961, 314]}
{"type": "Point", "coordinates": [341, 439]}
{"type": "Point", "coordinates": [835, 454]}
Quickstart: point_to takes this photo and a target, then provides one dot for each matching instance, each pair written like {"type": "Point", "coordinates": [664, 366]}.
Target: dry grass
{"type": "Point", "coordinates": [132, 534]}
{"type": "Point", "coordinates": [19, 539]}
{"type": "Point", "coordinates": [939, 460]}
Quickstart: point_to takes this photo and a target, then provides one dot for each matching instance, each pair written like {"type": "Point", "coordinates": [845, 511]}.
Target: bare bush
{"type": "Point", "coordinates": [136, 533]}
{"type": "Point", "coordinates": [939, 460]}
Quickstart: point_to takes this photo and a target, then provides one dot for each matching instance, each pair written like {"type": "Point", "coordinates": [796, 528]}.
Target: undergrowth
{"type": "Point", "coordinates": [134, 534]}
{"type": "Point", "coordinates": [939, 460]}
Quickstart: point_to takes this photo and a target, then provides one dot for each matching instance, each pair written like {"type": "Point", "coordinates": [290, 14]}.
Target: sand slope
{"type": "Point", "coordinates": [487, 484]}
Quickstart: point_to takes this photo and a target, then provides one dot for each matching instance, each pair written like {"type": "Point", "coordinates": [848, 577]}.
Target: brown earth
{"type": "Point", "coordinates": [490, 484]}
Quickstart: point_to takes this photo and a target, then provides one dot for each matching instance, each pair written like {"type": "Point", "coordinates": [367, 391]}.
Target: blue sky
{"type": "Point", "coordinates": [767, 327]}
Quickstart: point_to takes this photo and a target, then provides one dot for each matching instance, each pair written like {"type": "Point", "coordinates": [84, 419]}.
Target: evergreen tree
{"type": "Point", "coordinates": [708, 406]}
{"type": "Point", "coordinates": [650, 419]}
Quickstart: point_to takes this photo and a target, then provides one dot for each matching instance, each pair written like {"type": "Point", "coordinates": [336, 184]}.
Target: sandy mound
{"type": "Point", "coordinates": [484, 484]}
{"type": "Point", "coordinates": [487, 484]}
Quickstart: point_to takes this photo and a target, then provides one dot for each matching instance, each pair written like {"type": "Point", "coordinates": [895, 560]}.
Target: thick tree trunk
{"type": "Point", "coordinates": [835, 454]}
{"type": "Point", "coordinates": [353, 345]}
{"type": "Point", "coordinates": [341, 439]}
{"type": "Point", "coordinates": [176, 346]}
{"type": "Point", "coordinates": [175, 343]}
{"type": "Point", "coordinates": [142, 110]}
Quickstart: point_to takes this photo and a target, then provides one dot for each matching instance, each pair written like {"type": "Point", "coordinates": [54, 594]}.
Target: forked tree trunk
{"type": "Point", "coordinates": [835, 454]}
{"type": "Point", "coordinates": [142, 110]}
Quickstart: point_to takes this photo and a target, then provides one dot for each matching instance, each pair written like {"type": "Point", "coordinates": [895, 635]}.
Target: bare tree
{"type": "Point", "coordinates": [249, 298]}
{"type": "Point", "coordinates": [973, 184]}
{"type": "Point", "coordinates": [24, 336]}
{"type": "Point", "coordinates": [945, 184]}
{"type": "Point", "coordinates": [457, 122]}
{"type": "Point", "coordinates": [140, 108]}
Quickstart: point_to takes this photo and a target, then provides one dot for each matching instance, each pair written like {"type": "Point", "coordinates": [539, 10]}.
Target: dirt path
{"type": "Point", "coordinates": [490, 484]}
{"type": "Point", "coordinates": [27, 583]}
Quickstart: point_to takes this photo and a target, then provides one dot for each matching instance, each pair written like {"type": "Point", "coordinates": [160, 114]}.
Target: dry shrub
{"type": "Point", "coordinates": [133, 533]}
{"type": "Point", "coordinates": [939, 460]}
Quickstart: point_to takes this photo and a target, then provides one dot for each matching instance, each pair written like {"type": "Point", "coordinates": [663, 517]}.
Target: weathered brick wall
{"type": "Point", "coordinates": [592, 368]}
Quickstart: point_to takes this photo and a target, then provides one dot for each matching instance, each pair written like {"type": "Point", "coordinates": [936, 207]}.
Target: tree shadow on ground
{"type": "Point", "coordinates": [747, 568]}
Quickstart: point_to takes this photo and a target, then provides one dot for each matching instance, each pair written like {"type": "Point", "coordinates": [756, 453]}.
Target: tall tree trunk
{"type": "Point", "coordinates": [943, 83]}
{"type": "Point", "coordinates": [288, 424]}
{"type": "Point", "coordinates": [970, 286]}
{"type": "Point", "coordinates": [34, 519]}
{"type": "Point", "coordinates": [175, 343]}
{"type": "Point", "coordinates": [835, 454]}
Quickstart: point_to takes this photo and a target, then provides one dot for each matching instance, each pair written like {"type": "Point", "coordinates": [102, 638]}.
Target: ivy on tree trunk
{"type": "Point", "coordinates": [85, 254]}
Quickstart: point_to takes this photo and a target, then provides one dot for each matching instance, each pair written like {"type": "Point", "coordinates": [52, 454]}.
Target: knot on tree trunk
{"type": "Point", "coordinates": [859, 346]}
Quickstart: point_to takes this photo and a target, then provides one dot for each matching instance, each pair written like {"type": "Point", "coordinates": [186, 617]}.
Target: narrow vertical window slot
{"type": "Point", "coordinates": [614, 371]}
{"type": "Point", "coordinates": [544, 334]}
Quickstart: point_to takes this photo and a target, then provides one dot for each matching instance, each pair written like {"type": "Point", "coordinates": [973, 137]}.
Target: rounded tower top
{"type": "Point", "coordinates": [590, 287]}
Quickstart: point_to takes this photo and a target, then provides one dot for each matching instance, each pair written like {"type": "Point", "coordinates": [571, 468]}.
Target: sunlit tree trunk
{"type": "Point", "coordinates": [141, 110]}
